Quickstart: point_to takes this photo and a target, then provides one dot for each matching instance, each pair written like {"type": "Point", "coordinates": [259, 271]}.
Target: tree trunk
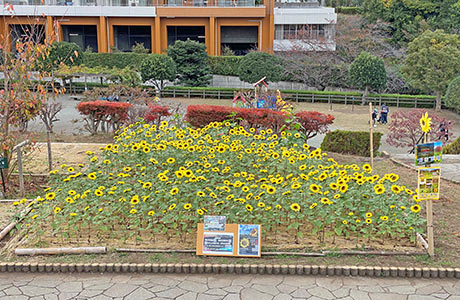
{"type": "Point", "coordinates": [50, 158]}
{"type": "Point", "coordinates": [438, 100]}
{"type": "Point", "coordinates": [366, 91]}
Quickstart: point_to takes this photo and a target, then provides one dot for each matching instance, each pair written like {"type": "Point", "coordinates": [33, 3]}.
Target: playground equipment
{"type": "Point", "coordinates": [261, 97]}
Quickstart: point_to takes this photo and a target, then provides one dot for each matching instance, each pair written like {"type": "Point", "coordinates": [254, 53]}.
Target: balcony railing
{"type": "Point", "coordinates": [165, 3]}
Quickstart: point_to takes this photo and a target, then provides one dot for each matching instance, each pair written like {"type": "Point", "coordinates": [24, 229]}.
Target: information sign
{"type": "Point", "coordinates": [429, 180]}
{"type": "Point", "coordinates": [3, 163]}
{"type": "Point", "coordinates": [249, 240]}
{"type": "Point", "coordinates": [214, 223]}
{"type": "Point", "coordinates": [218, 243]}
{"type": "Point", "coordinates": [236, 240]}
{"type": "Point", "coordinates": [426, 154]}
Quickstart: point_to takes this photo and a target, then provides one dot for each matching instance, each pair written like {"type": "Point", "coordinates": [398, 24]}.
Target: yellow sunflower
{"type": "Point", "coordinates": [295, 207]}
{"type": "Point", "coordinates": [425, 123]}
{"type": "Point", "coordinates": [415, 208]}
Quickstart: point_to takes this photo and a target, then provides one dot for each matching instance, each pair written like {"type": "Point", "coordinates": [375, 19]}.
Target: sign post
{"type": "Point", "coordinates": [425, 123]}
{"type": "Point", "coordinates": [371, 138]}
{"type": "Point", "coordinates": [3, 165]}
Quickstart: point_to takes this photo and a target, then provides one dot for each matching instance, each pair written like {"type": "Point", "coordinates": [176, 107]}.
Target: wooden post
{"type": "Point", "coordinates": [21, 175]}
{"type": "Point", "coordinates": [429, 217]}
{"type": "Point", "coordinates": [371, 138]}
{"type": "Point", "coordinates": [330, 102]}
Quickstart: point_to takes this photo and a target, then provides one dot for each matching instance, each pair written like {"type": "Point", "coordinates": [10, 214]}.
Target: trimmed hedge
{"type": "Point", "coordinates": [113, 60]}
{"type": "Point", "coordinates": [202, 115]}
{"type": "Point", "coordinates": [453, 148]}
{"type": "Point", "coordinates": [350, 142]}
{"type": "Point", "coordinates": [224, 65]}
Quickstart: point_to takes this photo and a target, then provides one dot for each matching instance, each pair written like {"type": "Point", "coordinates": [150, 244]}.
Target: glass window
{"type": "Point", "coordinates": [127, 36]}
{"type": "Point", "coordinates": [84, 36]}
{"type": "Point", "coordinates": [182, 33]}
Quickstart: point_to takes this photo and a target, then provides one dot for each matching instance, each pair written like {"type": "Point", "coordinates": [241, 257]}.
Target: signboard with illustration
{"type": "Point", "coordinates": [429, 180]}
{"type": "Point", "coordinates": [249, 240]}
{"type": "Point", "coordinates": [426, 154]}
{"type": "Point", "coordinates": [235, 240]}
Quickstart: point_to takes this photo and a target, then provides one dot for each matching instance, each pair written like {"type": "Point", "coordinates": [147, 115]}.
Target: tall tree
{"type": "Point", "coordinates": [368, 72]}
{"type": "Point", "coordinates": [191, 62]}
{"type": "Point", "coordinates": [408, 18]}
{"type": "Point", "coordinates": [22, 94]}
{"type": "Point", "coordinates": [433, 60]}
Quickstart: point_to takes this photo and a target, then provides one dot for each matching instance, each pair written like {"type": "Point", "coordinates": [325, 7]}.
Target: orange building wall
{"type": "Point", "coordinates": [210, 17]}
{"type": "Point", "coordinates": [7, 21]}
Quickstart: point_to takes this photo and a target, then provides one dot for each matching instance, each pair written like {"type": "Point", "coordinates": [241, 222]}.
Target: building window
{"type": "Point", "coordinates": [127, 36]}
{"type": "Point", "coordinates": [300, 32]}
{"type": "Point", "coordinates": [239, 39]}
{"type": "Point", "coordinates": [183, 33]}
{"type": "Point", "coordinates": [27, 33]}
{"type": "Point", "coordinates": [84, 36]}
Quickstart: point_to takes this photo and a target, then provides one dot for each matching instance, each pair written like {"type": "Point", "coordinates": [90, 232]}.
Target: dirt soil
{"type": "Point", "coordinates": [446, 223]}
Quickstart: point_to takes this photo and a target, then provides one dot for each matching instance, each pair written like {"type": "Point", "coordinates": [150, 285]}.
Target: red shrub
{"type": "Point", "coordinates": [155, 113]}
{"type": "Point", "coordinates": [202, 115]}
{"type": "Point", "coordinates": [103, 113]}
{"type": "Point", "coordinates": [313, 122]}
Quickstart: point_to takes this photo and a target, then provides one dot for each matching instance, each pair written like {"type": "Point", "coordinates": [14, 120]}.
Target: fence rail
{"type": "Point", "coordinates": [401, 101]}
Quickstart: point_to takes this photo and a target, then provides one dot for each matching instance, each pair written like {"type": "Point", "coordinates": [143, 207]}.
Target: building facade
{"type": "Point", "coordinates": [238, 25]}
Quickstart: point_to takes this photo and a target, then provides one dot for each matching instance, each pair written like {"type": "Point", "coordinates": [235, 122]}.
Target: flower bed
{"type": "Point", "coordinates": [156, 183]}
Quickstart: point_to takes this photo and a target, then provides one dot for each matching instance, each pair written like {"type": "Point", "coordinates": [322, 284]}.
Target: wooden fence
{"type": "Point", "coordinates": [399, 101]}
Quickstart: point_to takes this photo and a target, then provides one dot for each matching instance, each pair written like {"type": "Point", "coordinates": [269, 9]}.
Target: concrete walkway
{"type": "Point", "coordinates": [450, 166]}
{"type": "Point", "coordinates": [227, 287]}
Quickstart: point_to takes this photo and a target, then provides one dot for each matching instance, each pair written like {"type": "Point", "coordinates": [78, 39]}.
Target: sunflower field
{"type": "Point", "coordinates": [157, 182]}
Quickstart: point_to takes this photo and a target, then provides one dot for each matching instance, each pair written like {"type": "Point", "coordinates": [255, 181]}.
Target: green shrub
{"type": "Point", "coordinates": [350, 142]}
{"type": "Point", "coordinates": [159, 68]}
{"type": "Point", "coordinates": [453, 148]}
{"type": "Point", "coordinates": [453, 94]}
{"type": "Point", "coordinates": [69, 54]}
{"type": "Point", "coordinates": [113, 60]}
{"type": "Point", "coordinates": [256, 65]}
{"type": "Point", "coordinates": [224, 65]}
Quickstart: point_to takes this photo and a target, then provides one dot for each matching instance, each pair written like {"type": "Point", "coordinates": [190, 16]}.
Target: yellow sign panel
{"type": "Point", "coordinates": [429, 180]}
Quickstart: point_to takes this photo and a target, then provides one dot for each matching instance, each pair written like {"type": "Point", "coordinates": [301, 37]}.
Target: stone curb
{"type": "Point", "coordinates": [400, 272]}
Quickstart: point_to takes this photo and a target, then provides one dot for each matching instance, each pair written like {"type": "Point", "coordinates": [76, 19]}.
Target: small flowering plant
{"type": "Point", "coordinates": [160, 179]}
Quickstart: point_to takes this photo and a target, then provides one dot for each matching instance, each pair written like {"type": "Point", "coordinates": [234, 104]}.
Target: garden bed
{"type": "Point", "coordinates": [155, 184]}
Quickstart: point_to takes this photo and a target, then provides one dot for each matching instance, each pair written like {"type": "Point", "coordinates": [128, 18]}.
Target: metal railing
{"type": "Point", "coordinates": [166, 3]}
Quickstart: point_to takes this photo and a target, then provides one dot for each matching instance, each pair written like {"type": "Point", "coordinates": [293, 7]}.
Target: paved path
{"type": "Point", "coordinates": [450, 164]}
{"type": "Point", "coordinates": [227, 287]}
